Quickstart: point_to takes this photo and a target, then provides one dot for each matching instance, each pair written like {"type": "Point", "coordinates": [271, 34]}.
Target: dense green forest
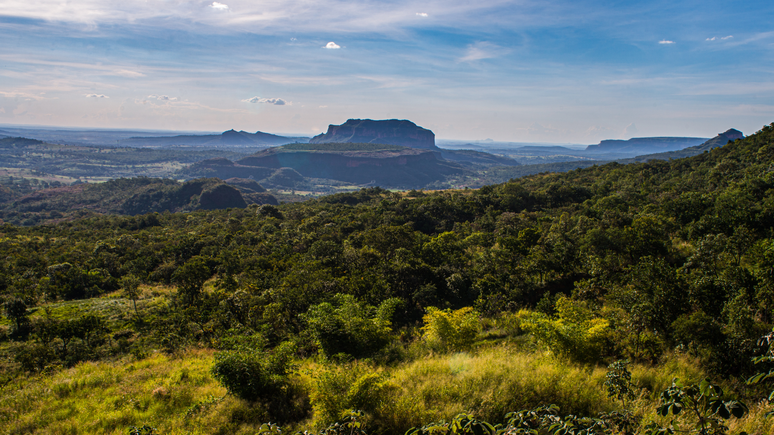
{"type": "Point", "coordinates": [337, 309]}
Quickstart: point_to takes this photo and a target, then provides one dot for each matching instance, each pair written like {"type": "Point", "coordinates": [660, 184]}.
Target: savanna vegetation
{"type": "Point", "coordinates": [615, 299]}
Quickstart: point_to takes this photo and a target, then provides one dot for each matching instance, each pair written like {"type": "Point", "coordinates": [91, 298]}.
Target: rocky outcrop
{"type": "Point", "coordinates": [390, 131]}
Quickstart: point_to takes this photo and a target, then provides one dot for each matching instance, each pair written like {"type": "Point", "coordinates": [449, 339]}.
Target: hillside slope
{"type": "Point", "coordinates": [133, 196]}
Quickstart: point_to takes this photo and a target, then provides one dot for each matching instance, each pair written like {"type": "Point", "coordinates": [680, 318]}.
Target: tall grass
{"type": "Point", "coordinates": [178, 395]}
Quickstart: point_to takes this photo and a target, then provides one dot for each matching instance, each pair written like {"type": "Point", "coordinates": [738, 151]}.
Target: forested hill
{"type": "Point", "coordinates": [630, 261]}
{"type": "Point", "coordinates": [133, 196]}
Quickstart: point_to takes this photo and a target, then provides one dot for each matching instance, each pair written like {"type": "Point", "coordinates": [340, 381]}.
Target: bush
{"type": "Point", "coordinates": [343, 388]}
{"type": "Point", "coordinates": [574, 332]}
{"type": "Point", "coordinates": [254, 375]}
{"type": "Point", "coordinates": [451, 330]}
{"type": "Point", "coordinates": [347, 326]}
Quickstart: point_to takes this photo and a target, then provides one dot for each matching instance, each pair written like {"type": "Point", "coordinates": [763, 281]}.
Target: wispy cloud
{"type": "Point", "coordinates": [422, 14]}
{"type": "Point", "coordinates": [274, 101]}
{"type": "Point", "coordinates": [162, 98]}
{"type": "Point", "coordinates": [722, 38]}
{"type": "Point", "coordinates": [666, 42]}
{"type": "Point", "coordinates": [219, 6]}
{"type": "Point", "coordinates": [96, 96]}
{"type": "Point", "coordinates": [482, 50]}
{"type": "Point", "coordinates": [332, 46]}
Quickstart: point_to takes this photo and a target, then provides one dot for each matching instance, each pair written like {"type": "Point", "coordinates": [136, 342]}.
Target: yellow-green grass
{"type": "Point", "coordinates": [109, 397]}
{"type": "Point", "coordinates": [178, 395]}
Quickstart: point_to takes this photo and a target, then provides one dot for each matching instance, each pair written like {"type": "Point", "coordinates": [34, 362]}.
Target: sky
{"type": "Point", "coordinates": [565, 71]}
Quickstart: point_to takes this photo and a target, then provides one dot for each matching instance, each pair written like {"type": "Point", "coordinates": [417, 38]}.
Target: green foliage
{"type": "Point", "coordinates": [618, 382]}
{"type": "Point", "coordinates": [340, 389]}
{"type": "Point", "coordinates": [347, 326]}
{"type": "Point", "coordinates": [462, 424]}
{"type": "Point", "coordinates": [190, 278]}
{"type": "Point", "coordinates": [451, 330]}
{"type": "Point", "coordinates": [16, 311]}
{"type": "Point", "coordinates": [254, 375]}
{"type": "Point", "coordinates": [705, 405]}
{"type": "Point", "coordinates": [143, 430]}
{"type": "Point", "coordinates": [131, 287]}
{"type": "Point", "coordinates": [574, 331]}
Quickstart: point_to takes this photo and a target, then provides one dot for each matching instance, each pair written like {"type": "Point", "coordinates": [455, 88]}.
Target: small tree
{"type": "Point", "coordinates": [16, 311]}
{"type": "Point", "coordinates": [705, 406]}
{"type": "Point", "coordinates": [131, 286]}
{"type": "Point", "coordinates": [619, 382]}
{"type": "Point", "coordinates": [191, 277]}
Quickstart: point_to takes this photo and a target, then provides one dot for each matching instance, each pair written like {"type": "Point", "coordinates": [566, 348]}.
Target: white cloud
{"type": "Point", "coordinates": [162, 98]}
{"type": "Point", "coordinates": [630, 130]}
{"type": "Point", "coordinates": [126, 73]}
{"type": "Point", "coordinates": [422, 14]}
{"type": "Point", "coordinates": [274, 101]}
{"type": "Point", "coordinates": [332, 46]}
{"type": "Point", "coordinates": [219, 6]}
{"type": "Point", "coordinates": [96, 96]}
{"type": "Point", "coordinates": [666, 42]}
{"type": "Point", "coordinates": [727, 37]}
{"type": "Point", "coordinates": [482, 50]}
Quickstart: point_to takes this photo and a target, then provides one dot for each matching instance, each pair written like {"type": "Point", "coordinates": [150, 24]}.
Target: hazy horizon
{"type": "Point", "coordinates": [514, 71]}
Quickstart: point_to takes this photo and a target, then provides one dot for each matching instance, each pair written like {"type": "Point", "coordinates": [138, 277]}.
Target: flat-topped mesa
{"type": "Point", "coordinates": [388, 131]}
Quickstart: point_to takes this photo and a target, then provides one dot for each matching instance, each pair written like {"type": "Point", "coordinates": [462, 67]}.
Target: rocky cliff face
{"type": "Point", "coordinates": [390, 131]}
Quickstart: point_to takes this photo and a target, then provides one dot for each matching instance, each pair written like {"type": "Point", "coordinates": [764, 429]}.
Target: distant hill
{"type": "Point", "coordinates": [369, 163]}
{"type": "Point", "coordinates": [230, 138]}
{"type": "Point", "coordinates": [472, 157]}
{"type": "Point", "coordinates": [124, 196]}
{"type": "Point", "coordinates": [18, 142]}
{"type": "Point", "coordinates": [389, 131]}
{"type": "Point", "coordinates": [721, 139]}
{"type": "Point", "coordinates": [642, 145]}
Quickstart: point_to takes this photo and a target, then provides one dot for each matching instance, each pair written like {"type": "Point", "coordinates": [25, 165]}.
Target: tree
{"type": "Point", "coordinates": [131, 286]}
{"type": "Point", "coordinates": [16, 311]}
{"type": "Point", "coordinates": [191, 277]}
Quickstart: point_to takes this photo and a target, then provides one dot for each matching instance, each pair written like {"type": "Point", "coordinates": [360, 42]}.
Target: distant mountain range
{"type": "Point", "coordinates": [645, 144]}
{"type": "Point", "coordinates": [721, 139]}
{"type": "Point", "coordinates": [230, 138]}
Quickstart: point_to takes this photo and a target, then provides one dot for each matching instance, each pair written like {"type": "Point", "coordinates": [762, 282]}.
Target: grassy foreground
{"type": "Point", "coordinates": [178, 395]}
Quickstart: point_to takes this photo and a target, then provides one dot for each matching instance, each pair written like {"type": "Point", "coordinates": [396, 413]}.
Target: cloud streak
{"type": "Point", "coordinates": [162, 98]}
{"type": "Point", "coordinates": [666, 42]}
{"type": "Point", "coordinates": [272, 101]}
{"type": "Point", "coordinates": [96, 96]}
{"type": "Point", "coordinates": [219, 6]}
{"type": "Point", "coordinates": [482, 50]}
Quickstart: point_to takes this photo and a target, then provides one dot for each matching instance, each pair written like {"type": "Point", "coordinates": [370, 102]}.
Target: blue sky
{"type": "Point", "coordinates": [532, 71]}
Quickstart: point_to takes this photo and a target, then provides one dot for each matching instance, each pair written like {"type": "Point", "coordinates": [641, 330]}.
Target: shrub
{"type": "Point", "coordinates": [349, 326]}
{"type": "Point", "coordinates": [451, 330]}
{"type": "Point", "coordinates": [574, 332]}
{"type": "Point", "coordinates": [254, 375]}
{"type": "Point", "coordinates": [343, 388]}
